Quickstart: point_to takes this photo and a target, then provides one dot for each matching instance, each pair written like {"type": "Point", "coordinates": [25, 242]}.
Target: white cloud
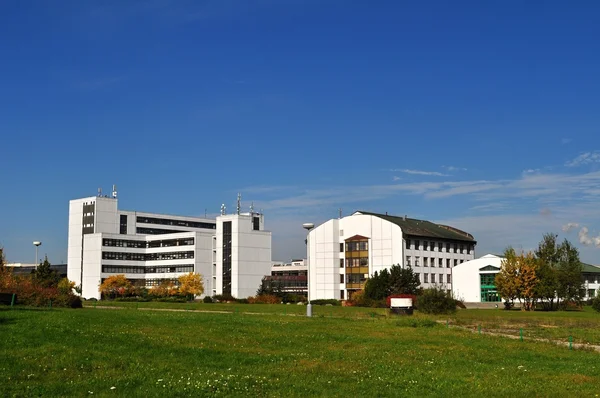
{"type": "Point", "coordinates": [421, 172]}
{"type": "Point", "coordinates": [454, 168]}
{"type": "Point", "coordinates": [396, 178]}
{"type": "Point", "coordinates": [566, 141]}
{"type": "Point", "coordinates": [587, 240]}
{"type": "Point", "coordinates": [584, 158]}
{"type": "Point", "coordinates": [570, 226]}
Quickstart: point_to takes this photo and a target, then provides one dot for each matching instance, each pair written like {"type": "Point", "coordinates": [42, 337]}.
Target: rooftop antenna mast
{"type": "Point", "coordinates": [252, 208]}
{"type": "Point", "coordinates": [239, 203]}
{"type": "Point", "coordinates": [99, 192]}
{"type": "Point", "coordinates": [114, 191]}
{"type": "Point", "coordinates": [340, 210]}
{"type": "Point", "coordinates": [223, 209]}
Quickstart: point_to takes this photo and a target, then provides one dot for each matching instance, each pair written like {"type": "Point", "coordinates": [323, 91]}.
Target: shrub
{"type": "Point", "coordinates": [223, 298]}
{"type": "Point", "coordinates": [436, 301]}
{"type": "Point", "coordinates": [207, 299]}
{"type": "Point", "coordinates": [596, 303]}
{"type": "Point", "coordinates": [264, 299]}
{"type": "Point", "coordinates": [326, 301]}
{"type": "Point", "coordinates": [242, 301]}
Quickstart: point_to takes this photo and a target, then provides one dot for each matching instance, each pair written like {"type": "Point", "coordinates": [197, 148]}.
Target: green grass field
{"type": "Point", "coordinates": [259, 351]}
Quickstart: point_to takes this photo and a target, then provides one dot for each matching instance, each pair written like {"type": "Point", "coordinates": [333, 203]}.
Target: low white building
{"type": "Point", "coordinates": [231, 252]}
{"type": "Point", "coordinates": [344, 252]}
{"type": "Point", "coordinates": [474, 280]}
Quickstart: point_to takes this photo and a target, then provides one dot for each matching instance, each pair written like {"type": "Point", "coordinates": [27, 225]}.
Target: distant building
{"type": "Point", "coordinates": [232, 252]}
{"type": "Point", "coordinates": [289, 277]}
{"type": "Point", "coordinates": [25, 269]}
{"type": "Point", "coordinates": [474, 281]}
{"type": "Point", "coordinates": [344, 252]}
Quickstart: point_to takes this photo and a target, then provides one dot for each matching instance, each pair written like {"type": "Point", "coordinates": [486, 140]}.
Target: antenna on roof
{"type": "Point", "coordinates": [223, 209]}
{"type": "Point", "coordinates": [239, 203]}
{"type": "Point", "coordinates": [252, 208]}
{"type": "Point", "coordinates": [340, 212]}
{"type": "Point", "coordinates": [99, 192]}
{"type": "Point", "coordinates": [114, 191]}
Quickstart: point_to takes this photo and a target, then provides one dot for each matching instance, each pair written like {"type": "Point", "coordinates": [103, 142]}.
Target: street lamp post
{"type": "Point", "coordinates": [37, 244]}
{"type": "Point", "coordinates": [308, 226]}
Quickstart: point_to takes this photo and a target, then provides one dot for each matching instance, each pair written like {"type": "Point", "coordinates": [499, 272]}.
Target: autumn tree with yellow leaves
{"type": "Point", "coordinates": [116, 286]}
{"type": "Point", "coordinates": [190, 285]}
{"type": "Point", "coordinates": [517, 279]}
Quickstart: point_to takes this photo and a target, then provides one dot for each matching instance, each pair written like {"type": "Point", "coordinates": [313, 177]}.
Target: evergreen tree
{"type": "Point", "coordinates": [403, 280]}
{"type": "Point", "coordinates": [548, 255]}
{"type": "Point", "coordinates": [45, 276]}
{"type": "Point", "coordinates": [569, 273]}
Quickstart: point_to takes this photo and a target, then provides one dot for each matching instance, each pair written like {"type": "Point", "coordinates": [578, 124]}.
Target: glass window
{"type": "Point", "coordinates": [432, 278]}
{"type": "Point", "coordinates": [408, 260]}
{"type": "Point", "coordinates": [425, 262]}
{"type": "Point", "coordinates": [449, 278]}
{"type": "Point", "coordinates": [425, 278]}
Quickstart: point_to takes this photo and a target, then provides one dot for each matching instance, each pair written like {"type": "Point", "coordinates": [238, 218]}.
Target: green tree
{"type": "Point", "coordinates": [548, 255]}
{"type": "Point", "coordinates": [569, 270]}
{"type": "Point", "coordinates": [44, 275]}
{"type": "Point", "coordinates": [377, 287]}
{"type": "Point", "coordinates": [403, 281]}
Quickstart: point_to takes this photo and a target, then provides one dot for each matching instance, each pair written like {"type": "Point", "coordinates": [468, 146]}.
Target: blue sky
{"type": "Point", "coordinates": [482, 115]}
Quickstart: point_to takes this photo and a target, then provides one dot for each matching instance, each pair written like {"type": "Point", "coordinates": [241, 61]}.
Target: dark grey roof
{"type": "Point", "coordinates": [422, 228]}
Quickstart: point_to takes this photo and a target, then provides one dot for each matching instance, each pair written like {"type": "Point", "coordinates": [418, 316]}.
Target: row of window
{"type": "Point", "coordinates": [357, 262]}
{"type": "Point", "coordinates": [430, 262]}
{"type": "Point", "coordinates": [440, 246]}
{"type": "Point", "coordinates": [132, 269]}
{"type": "Point", "coordinates": [288, 273]}
{"type": "Point", "coordinates": [430, 278]}
{"type": "Point", "coordinates": [141, 244]}
{"type": "Point", "coordinates": [355, 246]}
{"type": "Point", "coordinates": [147, 256]}
{"type": "Point", "coordinates": [149, 282]}
{"type": "Point", "coordinates": [156, 231]}
{"type": "Point", "coordinates": [179, 223]}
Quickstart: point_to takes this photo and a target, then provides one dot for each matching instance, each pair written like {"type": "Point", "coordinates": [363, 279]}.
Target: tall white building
{"type": "Point", "coordinates": [232, 252]}
{"type": "Point", "coordinates": [344, 252]}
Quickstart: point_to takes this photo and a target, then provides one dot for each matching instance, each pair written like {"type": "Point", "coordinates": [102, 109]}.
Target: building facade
{"type": "Point", "coordinates": [344, 252]}
{"type": "Point", "coordinates": [289, 277]}
{"type": "Point", "coordinates": [232, 252]}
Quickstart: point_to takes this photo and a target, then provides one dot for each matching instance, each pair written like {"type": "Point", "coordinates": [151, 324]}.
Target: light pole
{"type": "Point", "coordinates": [37, 244]}
{"type": "Point", "coordinates": [308, 226]}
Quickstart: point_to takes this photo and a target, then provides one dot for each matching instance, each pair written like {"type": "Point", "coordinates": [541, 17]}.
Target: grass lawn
{"type": "Point", "coordinates": [127, 352]}
{"type": "Point", "coordinates": [583, 326]}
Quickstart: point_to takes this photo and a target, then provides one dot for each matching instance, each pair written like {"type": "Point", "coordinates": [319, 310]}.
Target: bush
{"type": "Point", "coordinates": [207, 299]}
{"type": "Point", "coordinates": [326, 301]}
{"type": "Point", "coordinates": [264, 299]}
{"type": "Point", "coordinates": [242, 301]}
{"type": "Point", "coordinates": [596, 303]}
{"type": "Point", "coordinates": [223, 298]}
{"type": "Point", "coordinates": [436, 301]}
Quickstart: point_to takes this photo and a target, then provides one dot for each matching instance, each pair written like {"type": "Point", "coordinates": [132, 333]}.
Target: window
{"type": "Point", "coordinates": [455, 263]}
{"type": "Point", "coordinates": [441, 262]}
{"type": "Point", "coordinates": [408, 243]}
{"type": "Point", "coordinates": [341, 247]}
{"type": "Point", "coordinates": [425, 245]}
{"type": "Point", "coordinates": [255, 223]}
{"type": "Point", "coordinates": [441, 278]}
{"type": "Point", "coordinates": [408, 261]}
{"type": "Point", "coordinates": [416, 261]}
{"type": "Point", "coordinates": [455, 248]}
{"type": "Point", "coordinates": [417, 244]}
{"type": "Point", "coordinates": [425, 278]}
{"type": "Point", "coordinates": [341, 263]}
{"type": "Point", "coordinates": [462, 248]}
{"type": "Point", "coordinates": [179, 223]}
{"type": "Point", "coordinates": [447, 263]}
{"type": "Point", "coordinates": [447, 247]}
{"type": "Point", "coordinates": [425, 262]}
{"type": "Point", "coordinates": [449, 278]}
{"type": "Point", "coordinates": [462, 261]}
{"type": "Point", "coordinates": [432, 245]}
{"type": "Point", "coordinates": [418, 276]}
{"type": "Point", "coordinates": [432, 278]}
{"type": "Point", "coordinates": [341, 294]}
{"type": "Point", "coordinates": [341, 278]}
{"type": "Point", "coordinates": [432, 262]}
{"type": "Point", "coordinates": [591, 292]}
{"type": "Point", "coordinates": [123, 224]}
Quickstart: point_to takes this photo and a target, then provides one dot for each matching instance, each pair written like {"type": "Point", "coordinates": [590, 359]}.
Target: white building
{"type": "Point", "coordinates": [344, 252]}
{"type": "Point", "coordinates": [474, 281]}
{"type": "Point", "coordinates": [231, 252]}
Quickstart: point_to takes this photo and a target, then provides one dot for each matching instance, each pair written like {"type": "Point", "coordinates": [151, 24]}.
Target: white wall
{"type": "Point", "coordinates": [92, 266]}
{"type": "Point", "coordinates": [466, 284]}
